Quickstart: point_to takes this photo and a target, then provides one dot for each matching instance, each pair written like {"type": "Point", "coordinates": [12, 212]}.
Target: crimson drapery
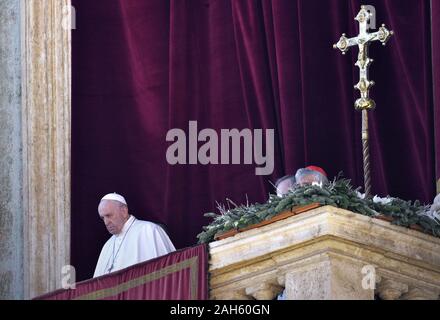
{"type": "Point", "coordinates": [436, 80]}
{"type": "Point", "coordinates": [143, 67]}
{"type": "Point", "coordinates": [181, 275]}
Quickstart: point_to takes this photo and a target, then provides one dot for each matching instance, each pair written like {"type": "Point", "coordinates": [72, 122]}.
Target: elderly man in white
{"type": "Point", "coordinates": [133, 241]}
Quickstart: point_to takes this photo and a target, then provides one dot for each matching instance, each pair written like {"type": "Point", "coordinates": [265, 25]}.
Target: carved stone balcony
{"type": "Point", "coordinates": [326, 253]}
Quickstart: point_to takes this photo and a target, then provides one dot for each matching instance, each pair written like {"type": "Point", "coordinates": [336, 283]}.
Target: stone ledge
{"type": "Point", "coordinates": [326, 236]}
{"type": "Point", "coordinates": [320, 222]}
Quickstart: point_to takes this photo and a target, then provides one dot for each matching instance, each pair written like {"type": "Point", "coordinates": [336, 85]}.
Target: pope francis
{"type": "Point", "coordinates": [133, 241]}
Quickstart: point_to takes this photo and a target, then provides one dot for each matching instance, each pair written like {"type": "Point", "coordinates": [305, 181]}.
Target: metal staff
{"type": "Point", "coordinates": [364, 103]}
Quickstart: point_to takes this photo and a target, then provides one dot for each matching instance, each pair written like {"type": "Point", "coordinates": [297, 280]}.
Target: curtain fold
{"type": "Point", "coordinates": [141, 68]}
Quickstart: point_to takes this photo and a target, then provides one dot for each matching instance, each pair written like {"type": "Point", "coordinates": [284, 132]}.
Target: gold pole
{"type": "Point", "coordinates": [366, 153]}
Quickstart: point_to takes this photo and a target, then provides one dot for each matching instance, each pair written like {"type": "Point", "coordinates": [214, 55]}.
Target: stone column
{"type": "Point", "coordinates": [328, 277]}
{"type": "Point", "coordinates": [46, 57]}
{"type": "Point", "coordinates": [11, 213]}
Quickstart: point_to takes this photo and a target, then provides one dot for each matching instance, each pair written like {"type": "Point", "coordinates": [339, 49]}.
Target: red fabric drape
{"type": "Point", "coordinates": [143, 67]}
{"type": "Point", "coordinates": [180, 275]}
{"type": "Point", "coordinates": [435, 15]}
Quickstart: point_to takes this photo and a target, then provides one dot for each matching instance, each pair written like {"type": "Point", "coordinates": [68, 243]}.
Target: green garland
{"type": "Point", "coordinates": [338, 193]}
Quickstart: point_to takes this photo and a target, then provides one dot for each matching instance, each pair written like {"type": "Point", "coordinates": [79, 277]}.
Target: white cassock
{"type": "Point", "coordinates": [137, 242]}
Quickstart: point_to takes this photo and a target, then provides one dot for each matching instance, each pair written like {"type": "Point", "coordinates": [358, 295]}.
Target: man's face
{"type": "Point", "coordinates": [307, 179]}
{"type": "Point", "coordinates": [114, 215]}
{"type": "Point", "coordinates": [284, 186]}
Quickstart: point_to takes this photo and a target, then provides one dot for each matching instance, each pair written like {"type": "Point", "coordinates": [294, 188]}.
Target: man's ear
{"type": "Point", "coordinates": [125, 210]}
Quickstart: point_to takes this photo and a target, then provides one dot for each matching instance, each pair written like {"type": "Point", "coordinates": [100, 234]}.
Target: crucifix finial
{"type": "Point", "coordinates": [363, 40]}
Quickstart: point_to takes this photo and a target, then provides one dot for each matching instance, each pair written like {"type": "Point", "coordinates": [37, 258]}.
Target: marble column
{"type": "Point", "coordinates": [46, 117]}
{"type": "Point", "coordinates": [11, 170]}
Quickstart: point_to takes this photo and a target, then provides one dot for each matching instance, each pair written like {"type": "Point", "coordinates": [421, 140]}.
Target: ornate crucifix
{"type": "Point", "coordinates": [364, 103]}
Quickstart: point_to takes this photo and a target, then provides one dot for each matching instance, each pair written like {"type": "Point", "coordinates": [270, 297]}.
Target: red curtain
{"type": "Point", "coordinates": [143, 67]}
{"type": "Point", "coordinates": [180, 275]}
{"type": "Point", "coordinates": [436, 74]}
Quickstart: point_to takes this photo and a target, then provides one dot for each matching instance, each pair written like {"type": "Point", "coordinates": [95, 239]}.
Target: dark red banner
{"type": "Point", "coordinates": [181, 275]}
